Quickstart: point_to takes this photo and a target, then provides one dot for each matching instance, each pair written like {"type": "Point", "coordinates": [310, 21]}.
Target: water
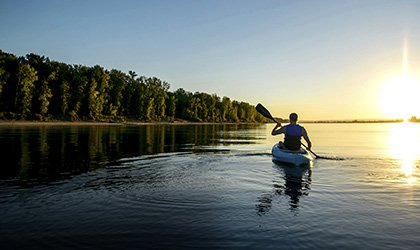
{"type": "Point", "coordinates": [208, 186]}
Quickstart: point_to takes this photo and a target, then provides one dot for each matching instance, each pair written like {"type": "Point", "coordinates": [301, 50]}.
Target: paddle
{"type": "Point", "coordinates": [263, 111]}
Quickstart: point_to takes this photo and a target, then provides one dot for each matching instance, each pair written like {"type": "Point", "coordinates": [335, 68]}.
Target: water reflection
{"type": "Point", "coordinates": [403, 146]}
{"type": "Point", "coordinates": [43, 154]}
{"type": "Point", "coordinates": [294, 182]}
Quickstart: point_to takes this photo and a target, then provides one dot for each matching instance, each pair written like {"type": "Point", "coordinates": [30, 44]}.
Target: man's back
{"type": "Point", "coordinates": [292, 136]}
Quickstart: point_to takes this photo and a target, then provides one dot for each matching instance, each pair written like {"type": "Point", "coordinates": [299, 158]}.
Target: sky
{"type": "Point", "coordinates": [322, 59]}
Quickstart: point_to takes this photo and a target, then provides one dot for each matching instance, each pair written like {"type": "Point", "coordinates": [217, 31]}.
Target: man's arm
{"type": "Point", "coordinates": [277, 131]}
{"type": "Point", "coordinates": [306, 137]}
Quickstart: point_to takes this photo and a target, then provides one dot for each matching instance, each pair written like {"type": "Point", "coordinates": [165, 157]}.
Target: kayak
{"type": "Point", "coordinates": [297, 158]}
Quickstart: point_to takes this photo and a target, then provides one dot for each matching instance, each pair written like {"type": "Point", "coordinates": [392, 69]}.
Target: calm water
{"type": "Point", "coordinates": [208, 186]}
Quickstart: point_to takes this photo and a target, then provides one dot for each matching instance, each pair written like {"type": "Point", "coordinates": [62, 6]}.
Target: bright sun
{"type": "Point", "coordinates": [400, 97]}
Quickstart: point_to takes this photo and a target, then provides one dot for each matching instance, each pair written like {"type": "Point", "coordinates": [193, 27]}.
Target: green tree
{"type": "Point", "coordinates": [44, 98]}
{"type": "Point", "coordinates": [65, 98]}
{"type": "Point", "coordinates": [10, 65]}
{"type": "Point", "coordinates": [156, 90]}
{"type": "Point", "coordinates": [171, 106]}
{"type": "Point", "coordinates": [225, 108]}
{"type": "Point", "coordinates": [93, 106]}
{"type": "Point", "coordinates": [202, 110]}
{"type": "Point", "coordinates": [79, 86]}
{"type": "Point", "coordinates": [181, 98]}
{"type": "Point", "coordinates": [98, 92]}
{"type": "Point", "coordinates": [42, 92]}
{"type": "Point", "coordinates": [26, 78]}
{"type": "Point", "coordinates": [117, 83]}
{"type": "Point", "coordinates": [213, 112]}
{"type": "Point", "coordinates": [62, 87]}
{"type": "Point", "coordinates": [128, 94]}
{"type": "Point", "coordinates": [194, 105]}
{"type": "Point", "coordinates": [4, 75]}
{"type": "Point", "coordinates": [137, 105]}
{"type": "Point", "coordinates": [150, 111]}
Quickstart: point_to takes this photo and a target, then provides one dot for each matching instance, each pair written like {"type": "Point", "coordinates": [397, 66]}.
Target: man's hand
{"type": "Point", "coordinates": [275, 131]}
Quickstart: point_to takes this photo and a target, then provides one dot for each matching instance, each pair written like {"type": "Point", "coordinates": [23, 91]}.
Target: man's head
{"type": "Point", "coordinates": [293, 117]}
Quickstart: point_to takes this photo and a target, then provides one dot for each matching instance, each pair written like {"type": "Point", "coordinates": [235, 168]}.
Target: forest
{"type": "Point", "coordinates": [37, 88]}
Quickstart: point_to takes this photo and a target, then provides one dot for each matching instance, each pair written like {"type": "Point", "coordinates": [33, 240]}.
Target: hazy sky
{"type": "Point", "coordinates": [322, 59]}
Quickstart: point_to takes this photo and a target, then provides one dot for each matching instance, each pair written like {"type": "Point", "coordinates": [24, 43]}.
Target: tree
{"type": "Point", "coordinates": [181, 98]}
{"type": "Point", "coordinates": [214, 113]}
{"type": "Point", "coordinates": [136, 99]}
{"type": "Point", "coordinates": [194, 105]}
{"type": "Point", "coordinates": [150, 111]}
{"type": "Point", "coordinates": [93, 107]}
{"type": "Point", "coordinates": [42, 91]}
{"type": "Point", "coordinates": [26, 78]}
{"type": "Point", "coordinates": [10, 64]}
{"type": "Point", "coordinates": [44, 98]}
{"type": "Point", "coordinates": [244, 111]}
{"type": "Point", "coordinates": [98, 91]}
{"type": "Point", "coordinates": [117, 83]}
{"type": "Point", "coordinates": [62, 87]}
{"type": "Point", "coordinates": [225, 108]}
{"type": "Point", "coordinates": [4, 75]}
{"type": "Point", "coordinates": [156, 90]}
{"type": "Point", "coordinates": [171, 106]}
{"type": "Point", "coordinates": [78, 100]}
{"type": "Point", "coordinates": [65, 98]}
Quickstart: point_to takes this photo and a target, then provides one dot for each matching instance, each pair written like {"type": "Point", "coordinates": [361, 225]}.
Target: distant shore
{"type": "Point", "coordinates": [357, 121]}
{"type": "Point", "coordinates": [100, 123]}
{"type": "Point", "coordinates": [141, 123]}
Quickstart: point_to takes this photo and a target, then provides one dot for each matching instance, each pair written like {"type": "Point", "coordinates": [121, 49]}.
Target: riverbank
{"type": "Point", "coordinates": [175, 122]}
{"type": "Point", "coordinates": [99, 123]}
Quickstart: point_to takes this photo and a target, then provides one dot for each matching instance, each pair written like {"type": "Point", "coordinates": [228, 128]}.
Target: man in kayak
{"type": "Point", "coordinates": [293, 133]}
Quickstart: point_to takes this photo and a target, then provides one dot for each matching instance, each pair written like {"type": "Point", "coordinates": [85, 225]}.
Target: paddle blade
{"type": "Point", "coordinates": [263, 111]}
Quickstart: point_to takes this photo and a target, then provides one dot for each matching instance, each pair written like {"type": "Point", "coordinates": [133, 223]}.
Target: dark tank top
{"type": "Point", "coordinates": [293, 136]}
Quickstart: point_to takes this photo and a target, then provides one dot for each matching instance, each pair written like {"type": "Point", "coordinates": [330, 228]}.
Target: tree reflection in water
{"type": "Point", "coordinates": [34, 155]}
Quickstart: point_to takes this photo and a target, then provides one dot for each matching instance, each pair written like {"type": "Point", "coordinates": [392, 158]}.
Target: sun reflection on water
{"type": "Point", "coordinates": [403, 146]}
{"type": "Point", "coordinates": [407, 167]}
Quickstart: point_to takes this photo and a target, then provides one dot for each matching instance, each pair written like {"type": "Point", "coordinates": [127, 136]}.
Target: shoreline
{"type": "Point", "coordinates": [14, 123]}
{"type": "Point", "coordinates": [99, 123]}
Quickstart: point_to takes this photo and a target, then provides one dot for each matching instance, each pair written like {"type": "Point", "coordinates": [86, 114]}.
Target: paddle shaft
{"type": "Point", "coordinates": [317, 156]}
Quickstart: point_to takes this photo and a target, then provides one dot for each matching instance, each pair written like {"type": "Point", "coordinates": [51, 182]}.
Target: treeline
{"type": "Point", "coordinates": [414, 119]}
{"type": "Point", "coordinates": [36, 88]}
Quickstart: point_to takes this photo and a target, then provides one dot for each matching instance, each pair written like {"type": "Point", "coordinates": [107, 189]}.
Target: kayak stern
{"type": "Point", "coordinates": [297, 158]}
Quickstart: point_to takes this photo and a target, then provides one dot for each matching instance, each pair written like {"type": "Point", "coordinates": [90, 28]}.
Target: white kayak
{"type": "Point", "coordinates": [298, 157]}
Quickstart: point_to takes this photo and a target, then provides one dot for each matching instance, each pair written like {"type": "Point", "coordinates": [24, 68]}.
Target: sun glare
{"type": "Point", "coordinates": [400, 97]}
